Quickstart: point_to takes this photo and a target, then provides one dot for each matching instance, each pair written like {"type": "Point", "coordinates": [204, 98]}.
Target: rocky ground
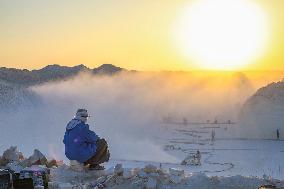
{"type": "Point", "coordinates": [150, 177]}
{"type": "Point", "coordinates": [62, 176]}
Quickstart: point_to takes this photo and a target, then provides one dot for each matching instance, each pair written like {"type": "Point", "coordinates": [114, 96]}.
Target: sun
{"type": "Point", "coordinates": [222, 34]}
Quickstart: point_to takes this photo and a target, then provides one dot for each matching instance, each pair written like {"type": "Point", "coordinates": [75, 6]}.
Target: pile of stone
{"type": "Point", "coordinates": [14, 160]}
{"type": "Point", "coordinates": [149, 177]}
{"type": "Point", "coordinates": [11, 155]}
{"type": "Point", "coordinates": [171, 147]}
{"type": "Point", "coordinates": [192, 159]}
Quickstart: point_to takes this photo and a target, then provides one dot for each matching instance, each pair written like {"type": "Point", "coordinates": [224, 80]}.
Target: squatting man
{"type": "Point", "coordinates": [84, 145]}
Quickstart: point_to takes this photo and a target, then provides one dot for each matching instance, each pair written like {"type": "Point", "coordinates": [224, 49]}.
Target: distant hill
{"type": "Point", "coordinates": [107, 69]}
{"type": "Point", "coordinates": [51, 72]}
{"type": "Point", "coordinates": [14, 83]}
{"type": "Point", "coordinates": [267, 99]}
{"type": "Point", "coordinates": [264, 111]}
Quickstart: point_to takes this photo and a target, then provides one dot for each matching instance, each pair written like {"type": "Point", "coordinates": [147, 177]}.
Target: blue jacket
{"type": "Point", "coordinates": [80, 142]}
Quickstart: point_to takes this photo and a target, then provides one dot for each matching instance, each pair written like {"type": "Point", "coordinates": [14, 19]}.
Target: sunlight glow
{"type": "Point", "coordinates": [222, 34]}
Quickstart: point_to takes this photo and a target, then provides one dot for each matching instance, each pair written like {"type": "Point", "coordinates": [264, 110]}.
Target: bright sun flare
{"type": "Point", "coordinates": [222, 34]}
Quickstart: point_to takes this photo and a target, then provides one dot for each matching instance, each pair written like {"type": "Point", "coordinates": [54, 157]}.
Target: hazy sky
{"type": "Point", "coordinates": [131, 34]}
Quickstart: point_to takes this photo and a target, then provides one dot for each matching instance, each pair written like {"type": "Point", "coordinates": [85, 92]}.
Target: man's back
{"type": "Point", "coordinates": [80, 142]}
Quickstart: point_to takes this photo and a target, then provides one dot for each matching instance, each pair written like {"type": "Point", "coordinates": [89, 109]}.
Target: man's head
{"type": "Point", "coordinates": [82, 114]}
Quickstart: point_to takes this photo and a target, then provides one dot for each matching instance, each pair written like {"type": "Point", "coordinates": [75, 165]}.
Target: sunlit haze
{"type": "Point", "coordinates": [143, 35]}
{"type": "Point", "coordinates": [123, 94]}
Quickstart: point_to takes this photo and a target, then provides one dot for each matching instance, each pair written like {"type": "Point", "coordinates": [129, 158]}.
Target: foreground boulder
{"type": "Point", "coordinates": [52, 163]}
{"type": "Point", "coordinates": [36, 159]}
{"type": "Point", "coordinates": [118, 170]}
{"type": "Point", "coordinates": [11, 155]}
{"type": "Point", "coordinates": [176, 176]}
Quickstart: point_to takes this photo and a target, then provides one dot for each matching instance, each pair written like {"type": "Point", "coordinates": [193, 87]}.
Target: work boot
{"type": "Point", "coordinates": [96, 167]}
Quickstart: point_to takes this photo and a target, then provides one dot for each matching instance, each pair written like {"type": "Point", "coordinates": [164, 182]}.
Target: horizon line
{"type": "Point", "coordinates": [192, 70]}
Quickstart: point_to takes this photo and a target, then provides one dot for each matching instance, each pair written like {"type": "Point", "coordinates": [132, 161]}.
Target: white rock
{"type": "Point", "coordinates": [176, 179]}
{"type": "Point", "coordinates": [37, 156]}
{"type": "Point", "coordinates": [192, 159]}
{"type": "Point", "coordinates": [76, 166]}
{"type": "Point", "coordinates": [65, 186]}
{"type": "Point", "coordinates": [165, 186]}
{"type": "Point", "coordinates": [36, 159]}
{"type": "Point", "coordinates": [119, 180]}
{"type": "Point", "coordinates": [37, 168]}
{"type": "Point", "coordinates": [110, 179]}
{"type": "Point", "coordinates": [154, 175]}
{"type": "Point", "coordinates": [176, 172]}
{"type": "Point", "coordinates": [109, 171]}
{"type": "Point", "coordinates": [142, 174]}
{"type": "Point", "coordinates": [39, 187]}
{"type": "Point", "coordinates": [86, 186]}
{"type": "Point", "coordinates": [15, 167]}
{"type": "Point", "coordinates": [176, 175]}
{"type": "Point", "coordinates": [136, 170]}
{"type": "Point", "coordinates": [12, 154]}
{"type": "Point", "coordinates": [151, 183]}
{"type": "Point", "coordinates": [138, 183]}
{"type": "Point", "coordinates": [80, 186]}
{"type": "Point", "coordinates": [128, 173]}
{"type": "Point", "coordinates": [53, 185]}
{"type": "Point", "coordinates": [98, 173]}
{"type": "Point", "coordinates": [102, 179]}
{"type": "Point", "coordinates": [150, 168]}
{"type": "Point", "coordinates": [118, 169]}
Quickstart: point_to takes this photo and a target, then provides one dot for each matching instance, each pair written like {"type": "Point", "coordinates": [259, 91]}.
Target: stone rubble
{"type": "Point", "coordinates": [118, 170]}
{"type": "Point", "coordinates": [37, 158]}
{"type": "Point", "coordinates": [150, 177]}
{"type": "Point", "coordinates": [11, 155]}
{"type": "Point", "coordinates": [14, 160]}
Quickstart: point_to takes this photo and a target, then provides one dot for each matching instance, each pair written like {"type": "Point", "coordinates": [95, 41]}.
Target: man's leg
{"type": "Point", "coordinates": [104, 157]}
{"type": "Point", "coordinates": [102, 154]}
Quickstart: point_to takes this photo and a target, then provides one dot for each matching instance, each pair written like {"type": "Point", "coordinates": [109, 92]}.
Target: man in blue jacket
{"type": "Point", "coordinates": [84, 145]}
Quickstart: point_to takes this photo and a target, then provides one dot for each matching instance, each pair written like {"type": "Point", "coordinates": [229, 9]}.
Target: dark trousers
{"type": "Point", "coordinates": [102, 153]}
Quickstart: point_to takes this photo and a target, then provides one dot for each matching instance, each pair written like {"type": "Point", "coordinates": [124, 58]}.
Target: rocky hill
{"type": "Point", "coordinates": [51, 72]}
{"type": "Point", "coordinates": [107, 69]}
{"type": "Point", "coordinates": [15, 83]}
{"type": "Point", "coordinates": [264, 111]}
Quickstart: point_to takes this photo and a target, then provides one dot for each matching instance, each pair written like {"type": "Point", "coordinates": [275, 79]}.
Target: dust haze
{"type": "Point", "coordinates": [127, 109]}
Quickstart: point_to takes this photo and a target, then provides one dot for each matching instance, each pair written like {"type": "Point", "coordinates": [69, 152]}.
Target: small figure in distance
{"type": "Point", "coordinates": [212, 135]}
{"type": "Point", "coordinates": [198, 157]}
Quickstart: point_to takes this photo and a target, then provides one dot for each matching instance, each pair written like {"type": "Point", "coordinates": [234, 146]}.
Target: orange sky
{"type": "Point", "coordinates": [131, 34]}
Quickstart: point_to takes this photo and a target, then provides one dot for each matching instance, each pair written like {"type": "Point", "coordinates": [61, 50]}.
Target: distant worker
{"type": "Point", "coordinates": [212, 135]}
{"type": "Point", "coordinates": [84, 145]}
{"type": "Point", "coordinates": [184, 121]}
{"type": "Point", "coordinates": [278, 134]}
{"type": "Point", "coordinates": [198, 157]}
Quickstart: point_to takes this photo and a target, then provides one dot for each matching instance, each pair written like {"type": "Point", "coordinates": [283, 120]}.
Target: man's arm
{"type": "Point", "coordinates": [90, 136]}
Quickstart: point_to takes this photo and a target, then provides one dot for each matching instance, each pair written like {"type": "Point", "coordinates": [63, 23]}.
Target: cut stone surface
{"type": "Point", "coordinates": [118, 169]}
{"type": "Point", "coordinates": [151, 183]}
